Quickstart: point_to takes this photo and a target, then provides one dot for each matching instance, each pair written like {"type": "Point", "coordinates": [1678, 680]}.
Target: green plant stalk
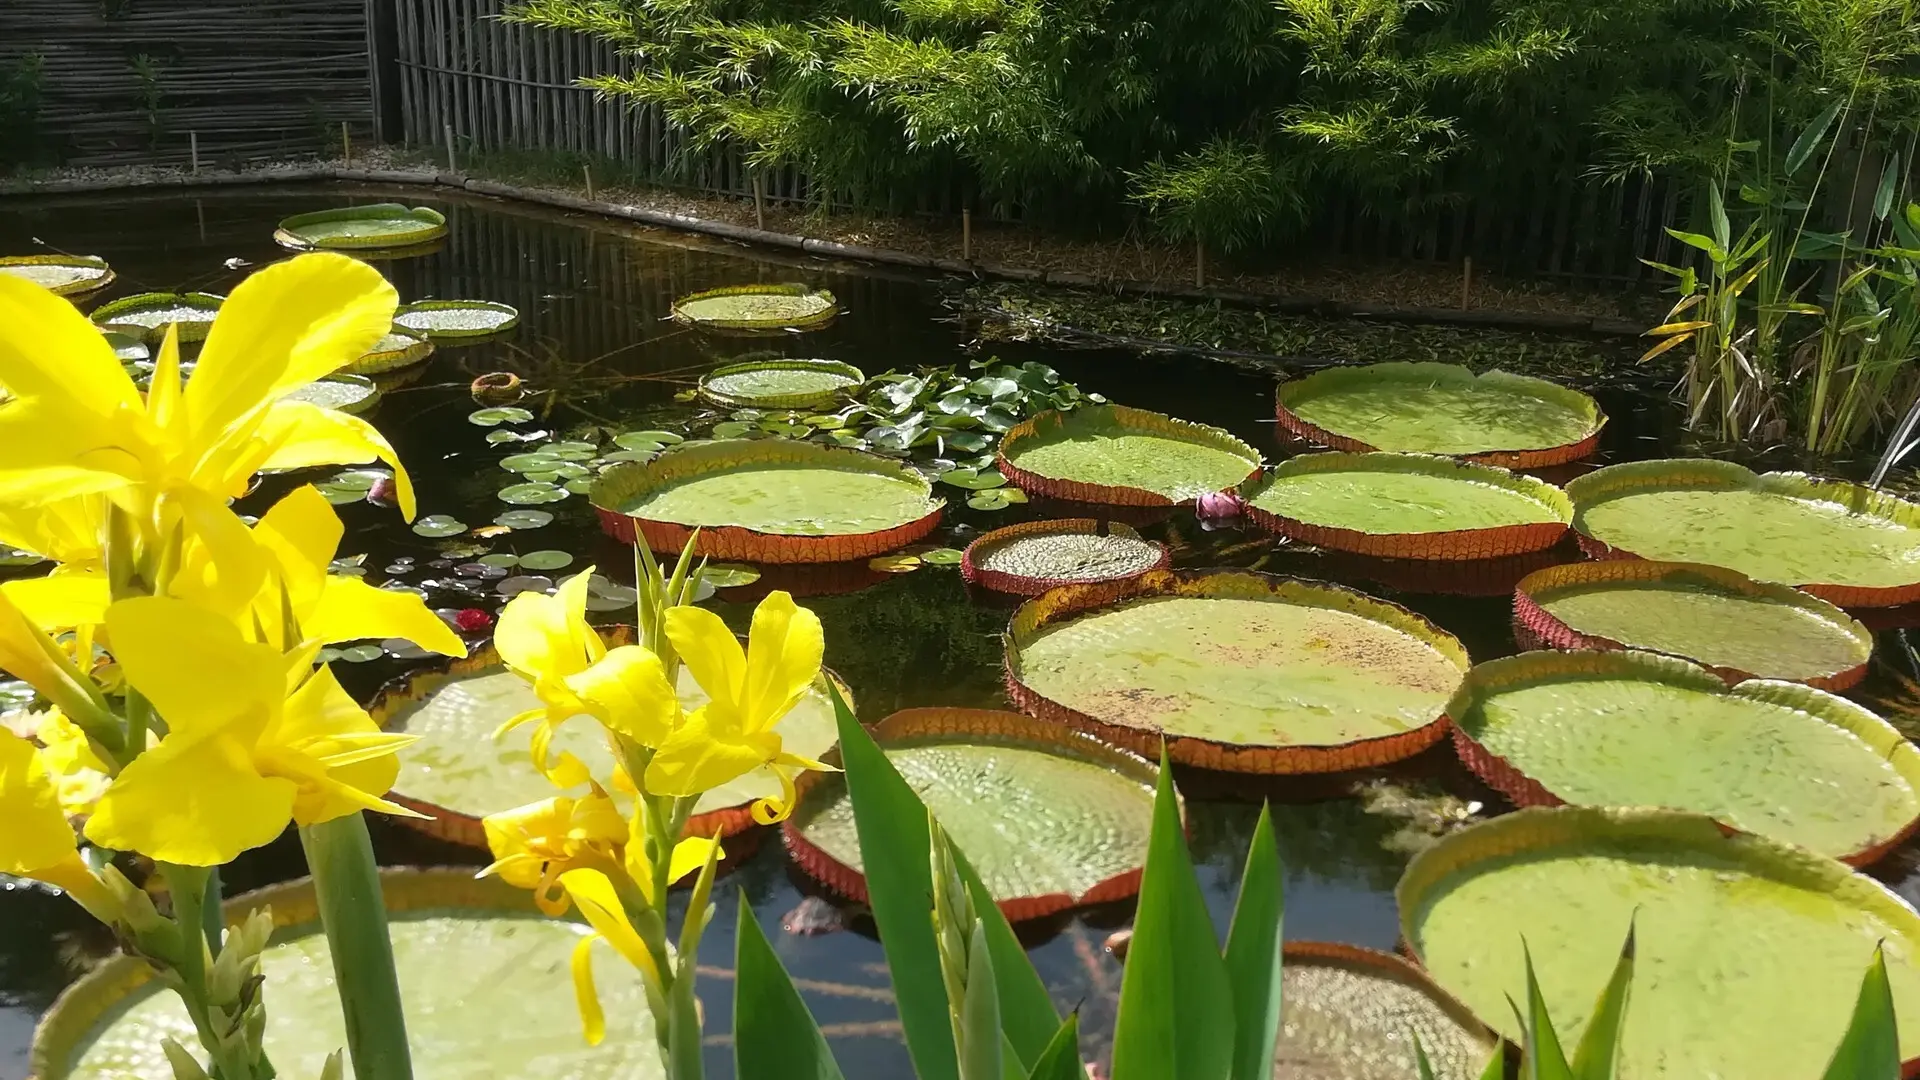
{"type": "Point", "coordinates": [192, 912]}
{"type": "Point", "coordinates": [346, 885]}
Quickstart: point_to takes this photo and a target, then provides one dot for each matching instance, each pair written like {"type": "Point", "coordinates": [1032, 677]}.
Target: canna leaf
{"type": "Point", "coordinates": [980, 1013]}
{"type": "Point", "coordinates": [1497, 1064]}
{"type": "Point", "coordinates": [775, 1035]}
{"type": "Point", "coordinates": [1027, 1012]}
{"type": "Point", "coordinates": [1060, 1058]}
{"type": "Point", "coordinates": [1809, 140]}
{"type": "Point", "coordinates": [1253, 956]}
{"type": "Point", "coordinates": [1176, 1003]}
{"type": "Point", "coordinates": [1870, 1049]}
{"type": "Point", "coordinates": [1542, 1058]}
{"type": "Point", "coordinates": [1599, 1045]}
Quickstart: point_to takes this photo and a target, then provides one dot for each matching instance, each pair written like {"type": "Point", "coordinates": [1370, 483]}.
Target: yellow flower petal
{"type": "Point", "coordinates": [302, 533]}
{"type": "Point", "coordinates": [694, 760]}
{"type": "Point", "coordinates": [784, 650]}
{"type": "Point", "coordinates": [690, 856]}
{"type": "Point", "coordinates": [711, 652]}
{"type": "Point", "coordinates": [627, 691]}
{"type": "Point", "coordinates": [193, 800]}
{"type": "Point", "coordinates": [49, 349]}
{"type": "Point", "coordinates": [593, 1022]}
{"type": "Point", "coordinates": [163, 386]}
{"type": "Point", "coordinates": [24, 651]}
{"type": "Point", "coordinates": [61, 601]}
{"type": "Point", "coordinates": [68, 531]}
{"type": "Point", "coordinates": [324, 726]}
{"type": "Point", "coordinates": [349, 608]}
{"type": "Point", "coordinates": [597, 900]}
{"type": "Point", "coordinates": [227, 567]}
{"type": "Point", "coordinates": [301, 435]}
{"type": "Point", "coordinates": [36, 835]}
{"type": "Point", "coordinates": [282, 328]}
{"type": "Point", "coordinates": [192, 664]}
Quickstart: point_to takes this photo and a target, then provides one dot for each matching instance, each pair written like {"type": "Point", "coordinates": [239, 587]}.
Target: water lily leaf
{"type": "Point", "coordinates": [630, 455]}
{"type": "Point", "coordinates": [972, 480]}
{"type": "Point", "coordinates": [360, 654]}
{"type": "Point", "coordinates": [579, 485]}
{"type": "Point", "coordinates": [730, 575]}
{"type": "Point", "coordinates": [971, 442]}
{"type": "Point", "coordinates": [941, 557]}
{"type": "Point", "coordinates": [514, 586]}
{"type": "Point", "coordinates": [894, 564]}
{"type": "Point", "coordinates": [825, 423]}
{"type": "Point", "coordinates": [642, 440]}
{"type": "Point", "coordinates": [360, 479]}
{"type": "Point", "coordinates": [537, 461]}
{"type": "Point", "coordinates": [501, 559]}
{"type": "Point", "coordinates": [785, 428]}
{"type": "Point", "coordinates": [731, 429]}
{"type": "Point", "coordinates": [531, 494]}
{"type": "Point", "coordinates": [524, 519]}
{"type": "Point", "coordinates": [504, 414]}
{"type": "Point", "coordinates": [502, 436]}
{"type": "Point", "coordinates": [546, 560]}
{"type": "Point", "coordinates": [573, 451]}
{"type": "Point", "coordinates": [436, 526]}
{"type": "Point", "coordinates": [993, 386]}
{"type": "Point", "coordinates": [996, 498]}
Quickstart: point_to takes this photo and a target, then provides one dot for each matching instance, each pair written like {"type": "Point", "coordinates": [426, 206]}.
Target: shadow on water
{"type": "Point", "coordinates": [596, 342]}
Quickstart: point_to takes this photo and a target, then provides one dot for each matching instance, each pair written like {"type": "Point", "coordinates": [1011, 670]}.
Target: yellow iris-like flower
{"type": "Point", "coordinates": [78, 425]}
{"type": "Point", "coordinates": [80, 776]}
{"type": "Point", "coordinates": [749, 691]}
{"type": "Point", "coordinates": [547, 641]}
{"type": "Point", "coordinates": [255, 740]}
{"type": "Point", "coordinates": [533, 845]}
{"type": "Point", "coordinates": [37, 842]}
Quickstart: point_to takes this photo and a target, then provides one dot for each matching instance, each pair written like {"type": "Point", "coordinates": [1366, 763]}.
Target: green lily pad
{"type": "Point", "coordinates": [646, 440]}
{"type": "Point", "coordinates": [629, 455]}
{"type": "Point", "coordinates": [62, 275]}
{"type": "Point", "coordinates": [1749, 952]}
{"type": "Point", "coordinates": [1712, 616]}
{"type": "Point", "coordinates": [973, 479]}
{"type": "Point", "coordinates": [147, 315]}
{"type": "Point", "coordinates": [1109, 453]}
{"type": "Point", "coordinates": [996, 498]}
{"type": "Point", "coordinates": [350, 394]}
{"type": "Point", "coordinates": [524, 519]}
{"type": "Point", "coordinates": [942, 557]}
{"type": "Point", "coordinates": [729, 575]}
{"type": "Point", "coordinates": [572, 450]}
{"type": "Point", "coordinates": [398, 348]}
{"type": "Point", "coordinates": [452, 937]}
{"type": "Point", "coordinates": [494, 417]}
{"type": "Point", "coordinates": [1239, 670]}
{"type": "Point", "coordinates": [536, 461]}
{"type": "Point", "coordinates": [437, 526]}
{"type": "Point", "coordinates": [1428, 408]}
{"type": "Point", "coordinates": [1843, 542]}
{"type": "Point", "coordinates": [1637, 729]}
{"type": "Point", "coordinates": [502, 559]}
{"type": "Point", "coordinates": [495, 438]}
{"type": "Point", "coordinates": [731, 429]}
{"type": "Point", "coordinates": [762, 308]}
{"type": "Point", "coordinates": [362, 228]}
{"type": "Point", "coordinates": [545, 560]}
{"type": "Point", "coordinates": [531, 494]}
{"type": "Point", "coordinates": [360, 654]}
{"type": "Point", "coordinates": [779, 384]}
{"type": "Point", "coordinates": [456, 320]}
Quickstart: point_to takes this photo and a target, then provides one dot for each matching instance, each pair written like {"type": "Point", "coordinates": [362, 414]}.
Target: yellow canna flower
{"type": "Point", "coordinates": [37, 841]}
{"type": "Point", "coordinates": [29, 655]}
{"type": "Point", "coordinates": [78, 426]}
{"type": "Point", "coordinates": [255, 740]}
{"type": "Point", "coordinates": [599, 901]}
{"type": "Point", "coordinates": [68, 531]}
{"type": "Point", "coordinates": [547, 641]}
{"type": "Point", "coordinates": [749, 691]}
{"type": "Point", "coordinates": [80, 776]}
{"type": "Point", "coordinates": [533, 845]}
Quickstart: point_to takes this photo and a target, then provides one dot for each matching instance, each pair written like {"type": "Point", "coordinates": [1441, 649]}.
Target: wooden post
{"type": "Point", "coordinates": [587, 172]}
{"type": "Point", "coordinates": [193, 144]}
{"type": "Point", "coordinates": [966, 234]}
{"type": "Point", "coordinates": [1466, 283]}
{"type": "Point", "coordinates": [346, 143]}
{"type": "Point", "coordinates": [1199, 265]}
{"type": "Point", "coordinates": [759, 200]}
{"type": "Point", "coordinates": [453, 165]}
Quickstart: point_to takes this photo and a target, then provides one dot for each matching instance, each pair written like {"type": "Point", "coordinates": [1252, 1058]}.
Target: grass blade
{"type": "Point", "coordinates": [1253, 956]}
{"type": "Point", "coordinates": [1870, 1050]}
{"type": "Point", "coordinates": [775, 1035]}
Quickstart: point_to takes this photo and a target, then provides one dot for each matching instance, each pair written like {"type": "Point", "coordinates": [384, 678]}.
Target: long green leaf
{"type": "Point", "coordinates": [1497, 1064]}
{"type": "Point", "coordinates": [1027, 1012]}
{"type": "Point", "coordinates": [1176, 1004]}
{"type": "Point", "coordinates": [1889, 182]}
{"type": "Point", "coordinates": [1253, 956]}
{"type": "Point", "coordinates": [1870, 1050]}
{"type": "Point", "coordinates": [1809, 140]}
{"type": "Point", "coordinates": [1599, 1045]}
{"type": "Point", "coordinates": [980, 1058]}
{"type": "Point", "coordinates": [1542, 1058]}
{"type": "Point", "coordinates": [1717, 207]}
{"type": "Point", "coordinates": [1060, 1058]}
{"type": "Point", "coordinates": [774, 1034]}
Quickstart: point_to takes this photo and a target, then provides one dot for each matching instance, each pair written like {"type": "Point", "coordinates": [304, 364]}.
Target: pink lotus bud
{"type": "Point", "coordinates": [382, 492]}
{"type": "Point", "coordinates": [1218, 508]}
{"type": "Point", "coordinates": [472, 620]}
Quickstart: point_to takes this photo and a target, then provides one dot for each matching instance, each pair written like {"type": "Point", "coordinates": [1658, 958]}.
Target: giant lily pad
{"type": "Point", "coordinates": [1032, 557]}
{"type": "Point", "coordinates": [779, 384]}
{"type": "Point", "coordinates": [459, 773]}
{"type": "Point", "coordinates": [758, 308]}
{"type": "Point", "coordinates": [400, 348]}
{"type": "Point", "coordinates": [1408, 506]}
{"type": "Point", "coordinates": [1749, 951]}
{"type": "Point", "coordinates": [775, 500]}
{"type": "Point", "coordinates": [1426, 408]}
{"type": "Point", "coordinates": [1051, 818]}
{"type": "Point", "coordinates": [468, 952]}
{"type": "Point", "coordinates": [63, 275]}
{"type": "Point", "coordinates": [1739, 627]}
{"type": "Point", "coordinates": [1638, 729]}
{"type": "Point", "coordinates": [1238, 671]}
{"type": "Point", "coordinates": [350, 394]}
{"type": "Point", "coordinates": [147, 315]}
{"type": "Point", "coordinates": [1351, 1014]}
{"type": "Point", "coordinates": [362, 228]}
{"type": "Point", "coordinates": [1843, 542]}
{"type": "Point", "coordinates": [456, 320]}
{"type": "Point", "coordinates": [1130, 457]}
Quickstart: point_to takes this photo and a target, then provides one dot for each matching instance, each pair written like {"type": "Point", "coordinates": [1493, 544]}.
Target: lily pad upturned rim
{"type": "Point", "coordinates": [1021, 585]}
{"type": "Point", "coordinates": [1679, 474]}
{"type": "Point", "coordinates": [1043, 424]}
{"type": "Point", "coordinates": [737, 543]}
{"type": "Point", "coordinates": [458, 827]}
{"type": "Point", "coordinates": [1070, 601]}
{"type": "Point", "coordinates": [81, 287]}
{"type": "Point", "coordinates": [380, 362]}
{"type": "Point", "coordinates": [512, 320]}
{"type": "Point", "coordinates": [427, 225]}
{"type": "Point", "coordinates": [1531, 667]}
{"type": "Point", "coordinates": [1536, 627]}
{"type": "Point", "coordinates": [194, 330]}
{"type": "Point", "coordinates": [1495, 542]}
{"type": "Point", "coordinates": [81, 1007]}
{"type": "Point", "coordinates": [1291, 391]}
{"type": "Point", "coordinates": [1497, 841]}
{"type": "Point", "coordinates": [989, 726]}
{"type": "Point", "coordinates": [1386, 965]}
{"type": "Point", "coordinates": [778, 401]}
{"type": "Point", "coordinates": [811, 322]}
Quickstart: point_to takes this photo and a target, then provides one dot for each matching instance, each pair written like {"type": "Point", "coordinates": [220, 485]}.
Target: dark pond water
{"type": "Point", "coordinates": [593, 297]}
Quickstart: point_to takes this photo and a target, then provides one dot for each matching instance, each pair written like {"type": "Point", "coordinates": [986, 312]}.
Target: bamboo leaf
{"type": "Point", "coordinates": [1678, 327]}
{"type": "Point", "coordinates": [1253, 956]}
{"type": "Point", "coordinates": [774, 1034]}
{"type": "Point", "coordinates": [1889, 183]}
{"type": "Point", "coordinates": [1599, 1045]}
{"type": "Point", "coordinates": [1870, 1049]}
{"type": "Point", "coordinates": [1176, 1004]}
{"type": "Point", "coordinates": [1809, 140]}
{"type": "Point", "coordinates": [1717, 207]}
{"type": "Point", "coordinates": [1716, 252]}
{"type": "Point", "coordinates": [1060, 1058]}
{"type": "Point", "coordinates": [1673, 342]}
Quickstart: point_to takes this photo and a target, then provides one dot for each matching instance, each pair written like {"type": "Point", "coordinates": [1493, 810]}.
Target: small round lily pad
{"type": "Point", "coordinates": [779, 384]}
{"type": "Point", "coordinates": [499, 414]}
{"type": "Point", "coordinates": [147, 315]}
{"type": "Point", "coordinates": [1117, 455]}
{"type": "Point", "coordinates": [456, 320]}
{"type": "Point", "coordinates": [381, 226]}
{"type": "Point", "coordinates": [400, 348]}
{"type": "Point", "coordinates": [524, 519]}
{"type": "Point", "coordinates": [437, 526]}
{"type": "Point", "coordinates": [1030, 558]}
{"type": "Point", "coordinates": [546, 560]}
{"type": "Point", "coordinates": [758, 308]}
{"type": "Point", "coordinates": [63, 275]}
{"type": "Point", "coordinates": [532, 494]}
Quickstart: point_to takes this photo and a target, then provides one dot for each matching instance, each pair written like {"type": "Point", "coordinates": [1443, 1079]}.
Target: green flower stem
{"type": "Point", "coordinates": [187, 885]}
{"type": "Point", "coordinates": [346, 884]}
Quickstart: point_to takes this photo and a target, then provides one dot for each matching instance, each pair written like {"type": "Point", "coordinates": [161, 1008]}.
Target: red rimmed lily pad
{"type": "Point", "coordinates": [1349, 1013]}
{"type": "Point", "coordinates": [768, 501]}
{"type": "Point", "coordinates": [458, 773]}
{"type": "Point", "coordinates": [1738, 627]}
{"type": "Point", "coordinates": [1407, 506]}
{"type": "Point", "coordinates": [1843, 542]}
{"type": "Point", "coordinates": [1749, 952]}
{"type": "Point", "coordinates": [1110, 454]}
{"type": "Point", "coordinates": [1051, 818]}
{"type": "Point", "coordinates": [1032, 557]}
{"type": "Point", "coordinates": [1497, 418]}
{"type": "Point", "coordinates": [1628, 728]}
{"type": "Point", "coordinates": [1235, 670]}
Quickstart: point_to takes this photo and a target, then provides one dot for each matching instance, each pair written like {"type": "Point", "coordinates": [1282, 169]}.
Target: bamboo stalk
{"type": "Point", "coordinates": [966, 234]}
{"type": "Point", "coordinates": [1466, 283]}
{"type": "Point", "coordinates": [453, 165]}
{"type": "Point", "coordinates": [194, 137]}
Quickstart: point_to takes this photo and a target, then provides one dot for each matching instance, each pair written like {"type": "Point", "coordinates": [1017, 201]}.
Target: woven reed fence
{"type": "Point", "coordinates": [137, 82]}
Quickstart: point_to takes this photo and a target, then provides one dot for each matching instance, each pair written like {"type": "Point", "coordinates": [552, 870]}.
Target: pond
{"type": "Point", "coordinates": [594, 299]}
